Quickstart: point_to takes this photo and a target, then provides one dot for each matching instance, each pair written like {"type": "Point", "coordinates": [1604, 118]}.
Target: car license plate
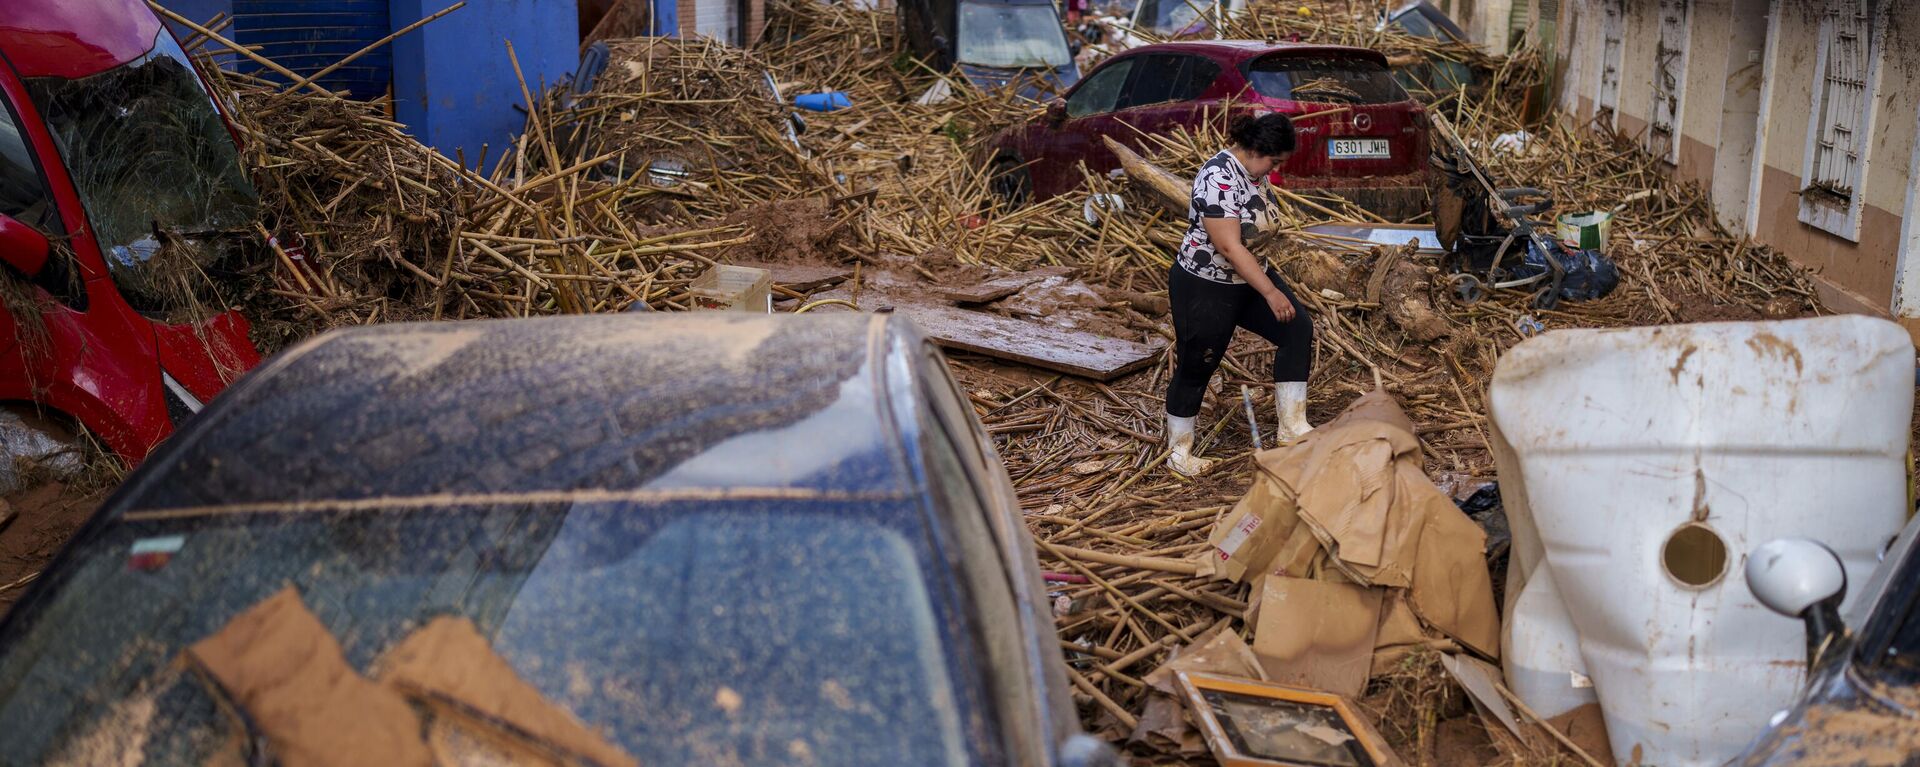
{"type": "Point", "coordinates": [1359, 148]}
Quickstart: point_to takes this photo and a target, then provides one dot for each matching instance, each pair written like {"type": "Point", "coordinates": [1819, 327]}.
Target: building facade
{"type": "Point", "coordinates": [1799, 117]}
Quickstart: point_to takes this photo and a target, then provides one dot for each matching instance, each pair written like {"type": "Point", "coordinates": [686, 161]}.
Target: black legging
{"type": "Point", "coordinates": [1204, 316]}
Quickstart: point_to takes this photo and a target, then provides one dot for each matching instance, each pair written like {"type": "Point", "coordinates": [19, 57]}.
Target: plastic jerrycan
{"type": "Point", "coordinates": [1648, 462]}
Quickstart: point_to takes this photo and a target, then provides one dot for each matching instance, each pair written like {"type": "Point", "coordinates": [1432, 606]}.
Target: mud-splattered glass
{"type": "Point", "coordinates": [1334, 80]}
{"type": "Point", "coordinates": [761, 633]}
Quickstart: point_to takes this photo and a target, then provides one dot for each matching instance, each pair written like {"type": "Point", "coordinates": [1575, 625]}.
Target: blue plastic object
{"type": "Point", "coordinates": [822, 102]}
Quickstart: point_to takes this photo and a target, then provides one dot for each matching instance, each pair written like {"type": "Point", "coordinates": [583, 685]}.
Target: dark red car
{"type": "Point", "coordinates": [1373, 151]}
{"type": "Point", "coordinates": [114, 162]}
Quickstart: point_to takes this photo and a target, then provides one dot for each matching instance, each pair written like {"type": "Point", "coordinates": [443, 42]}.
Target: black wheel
{"type": "Point", "coordinates": [1010, 183]}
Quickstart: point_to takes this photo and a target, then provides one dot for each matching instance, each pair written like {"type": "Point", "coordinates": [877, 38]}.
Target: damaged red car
{"type": "Point", "coordinates": [1361, 136]}
{"type": "Point", "coordinates": [120, 190]}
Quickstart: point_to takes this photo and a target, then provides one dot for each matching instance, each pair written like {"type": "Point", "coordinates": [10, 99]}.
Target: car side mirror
{"type": "Point", "coordinates": [1084, 750]}
{"type": "Point", "coordinates": [22, 247]}
{"type": "Point", "coordinates": [1056, 112]}
{"type": "Point", "coordinates": [1801, 578]}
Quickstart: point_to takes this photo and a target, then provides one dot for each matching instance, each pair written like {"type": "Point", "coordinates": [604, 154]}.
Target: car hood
{"type": "Point", "coordinates": [1032, 83]}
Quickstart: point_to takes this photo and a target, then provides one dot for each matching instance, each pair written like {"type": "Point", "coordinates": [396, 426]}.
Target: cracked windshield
{"type": "Point", "coordinates": [158, 173]}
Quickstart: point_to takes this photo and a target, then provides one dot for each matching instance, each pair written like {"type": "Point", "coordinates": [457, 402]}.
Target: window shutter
{"type": "Point", "coordinates": [1613, 31]}
{"type": "Point", "coordinates": [1669, 75]}
{"type": "Point", "coordinates": [1847, 37]}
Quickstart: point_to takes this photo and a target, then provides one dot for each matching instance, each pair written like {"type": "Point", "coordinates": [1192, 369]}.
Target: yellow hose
{"type": "Point", "coordinates": [826, 301]}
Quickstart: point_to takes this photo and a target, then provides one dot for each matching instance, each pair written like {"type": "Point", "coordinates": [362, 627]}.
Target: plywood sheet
{"type": "Point", "coordinates": [804, 278]}
{"type": "Point", "coordinates": [1002, 286]}
{"type": "Point", "coordinates": [1101, 358]}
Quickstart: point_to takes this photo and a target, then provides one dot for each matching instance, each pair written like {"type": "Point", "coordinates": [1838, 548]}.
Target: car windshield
{"type": "Point", "coordinates": [758, 633]}
{"type": "Point", "coordinates": [1012, 36]}
{"type": "Point", "coordinates": [1325, 79]}
{"type": "Point", "coordinates": [1169, 16]}
{"type": "Point", "coordinates": [1413, 22]}
{"type": "Point", "coordinates": [155, 167]}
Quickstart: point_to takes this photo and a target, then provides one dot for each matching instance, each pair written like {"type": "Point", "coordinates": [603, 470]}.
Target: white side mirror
{"type": "Point", "coordinates": [1801, 578]}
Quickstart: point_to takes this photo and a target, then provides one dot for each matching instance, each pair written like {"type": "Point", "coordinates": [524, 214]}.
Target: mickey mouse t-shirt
{"type": "Point", "coordinates": [1222, 189]}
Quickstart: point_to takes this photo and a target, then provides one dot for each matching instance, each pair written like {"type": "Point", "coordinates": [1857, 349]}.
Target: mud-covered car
{"type": "Point", "coordinates": [628, 539]}
{"type": "Point", "coordinates": [1360, 136]}
{"type": "Point", "coordinates": [1861, 705]}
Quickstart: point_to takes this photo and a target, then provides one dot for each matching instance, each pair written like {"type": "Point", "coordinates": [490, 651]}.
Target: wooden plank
{"type": "Point", "coordinates": [803, 278]}
{"type": "Point", "coordinates": [1002, 286]}
{"type": "Point", "coordinates": [1074, 352]}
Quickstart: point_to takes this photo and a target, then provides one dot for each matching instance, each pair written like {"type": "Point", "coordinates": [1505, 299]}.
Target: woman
{"type": "Point", "coordinates": [1216, 284]}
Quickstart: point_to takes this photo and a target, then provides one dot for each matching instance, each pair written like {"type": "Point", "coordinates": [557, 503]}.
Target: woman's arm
{"type": "Point", "coordinates": [1225, 234]}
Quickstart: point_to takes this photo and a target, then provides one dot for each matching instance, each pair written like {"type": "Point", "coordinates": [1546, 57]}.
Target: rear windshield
{"type": "Point", "coordinates": [1012, 36]}
{"type": "Point", "coordinates": [763, 633]}
{"type": "Point", "coordinates": [1323, 79]}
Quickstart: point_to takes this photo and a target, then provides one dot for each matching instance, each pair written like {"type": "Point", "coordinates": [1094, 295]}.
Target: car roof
{"type": "Point", "coordinates": [74, 38]}
{"type": "Point", "coordinates": [1252, 49]}
{"type": "Point", "coordinates": [636, 405]}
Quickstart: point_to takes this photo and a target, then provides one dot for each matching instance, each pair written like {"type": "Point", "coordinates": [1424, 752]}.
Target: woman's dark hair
{"type": "Point", "coordinates": [1269, 134]}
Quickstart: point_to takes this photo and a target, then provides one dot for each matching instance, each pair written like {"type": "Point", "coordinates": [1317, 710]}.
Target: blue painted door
{"type": "Point", "coordinates": [307, 36]}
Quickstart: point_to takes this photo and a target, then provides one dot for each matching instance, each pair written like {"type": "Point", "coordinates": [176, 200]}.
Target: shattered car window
{"type": "Point", "coordinates": [156, 168]}
{"type": "Point", "coordinates": [762, 633]}
{"type": "Point", "coordinates": [23, 195]}
{"type": "Point", "coordinates": [1333, 80]}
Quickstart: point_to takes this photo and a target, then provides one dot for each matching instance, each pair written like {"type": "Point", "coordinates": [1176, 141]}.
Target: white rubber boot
{"type": "Point", "coordinates": [1180, 442]}
{"type": "Point", "coordinates": [1290, 402]}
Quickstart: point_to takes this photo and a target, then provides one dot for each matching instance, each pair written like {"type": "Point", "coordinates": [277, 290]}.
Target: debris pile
{"type": "Point", "coordinates": [886, 204]}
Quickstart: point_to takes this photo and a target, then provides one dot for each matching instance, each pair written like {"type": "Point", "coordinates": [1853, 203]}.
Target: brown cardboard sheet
{"type": "Point", "coordinates": [286, 672]}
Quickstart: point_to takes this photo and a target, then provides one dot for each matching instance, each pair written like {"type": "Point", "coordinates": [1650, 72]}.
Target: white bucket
{"type": "Point", "coordinates": [1648, 462]}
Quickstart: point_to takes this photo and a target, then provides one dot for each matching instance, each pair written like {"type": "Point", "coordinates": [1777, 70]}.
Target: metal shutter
{"type": "Point", "coordinates": [307, 36]}
{"type": "Point", "coordinates": [717, 19]}
{"type": "Point", "coordinates": [1846, 44]}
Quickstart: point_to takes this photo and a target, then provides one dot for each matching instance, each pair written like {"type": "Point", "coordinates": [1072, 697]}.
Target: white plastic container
{"type": "Point", "coordinates": [1647, 463]}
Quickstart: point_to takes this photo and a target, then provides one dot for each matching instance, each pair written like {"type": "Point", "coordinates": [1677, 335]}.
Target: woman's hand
{"type": "Point", "coordinates": [1282, 308]}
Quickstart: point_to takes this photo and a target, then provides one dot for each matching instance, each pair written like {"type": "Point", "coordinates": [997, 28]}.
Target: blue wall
{"type": "Point", "coordinates": [200, 11]}
{"type": "Point", "coordinates": [453, 84]}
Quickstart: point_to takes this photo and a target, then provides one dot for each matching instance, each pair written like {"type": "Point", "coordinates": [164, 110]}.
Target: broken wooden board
{"type": "Point", "coordinates": [803, 278]}
{"type": "Point", "coordinates": [1002, 286]}
{"type": "Point", "coordinates": [1101, 358]}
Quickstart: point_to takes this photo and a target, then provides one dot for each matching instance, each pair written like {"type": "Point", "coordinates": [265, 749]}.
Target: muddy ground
{"type": "Point", "coordinates": [45, 515]}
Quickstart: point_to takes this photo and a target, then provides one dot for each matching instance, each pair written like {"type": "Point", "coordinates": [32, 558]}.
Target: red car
{"type": "Point", "coordinates": [1373, 151]}
{"type": "Point", "coordinates": [119, 176]}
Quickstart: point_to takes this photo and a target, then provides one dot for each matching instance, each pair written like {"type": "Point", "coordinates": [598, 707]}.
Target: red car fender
{"type": "Point", "coordinates": [92, 376]}
{"type": "Point", "coordinates": [208, 356]}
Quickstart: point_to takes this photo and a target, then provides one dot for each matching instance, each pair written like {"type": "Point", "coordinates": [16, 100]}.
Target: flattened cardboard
{"type": "Point", "coordinates": [1317, 634]}
{"type": "Point", "coordinates": [1246, 541]}
{"type": "Point", "coordinates": [1218, 651]}
{"type": "Point", "coordinates": [448, 661]}
{"type": "Point", "coordinates": [278, 663]}
{"type": "Point", "coordinates": [1401, 634]}
{"type": "Point", "coordinates": [1352, 497]}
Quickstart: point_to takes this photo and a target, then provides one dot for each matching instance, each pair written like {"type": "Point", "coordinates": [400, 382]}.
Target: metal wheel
{"type": "Point", "coordinates": [1466, 288]}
